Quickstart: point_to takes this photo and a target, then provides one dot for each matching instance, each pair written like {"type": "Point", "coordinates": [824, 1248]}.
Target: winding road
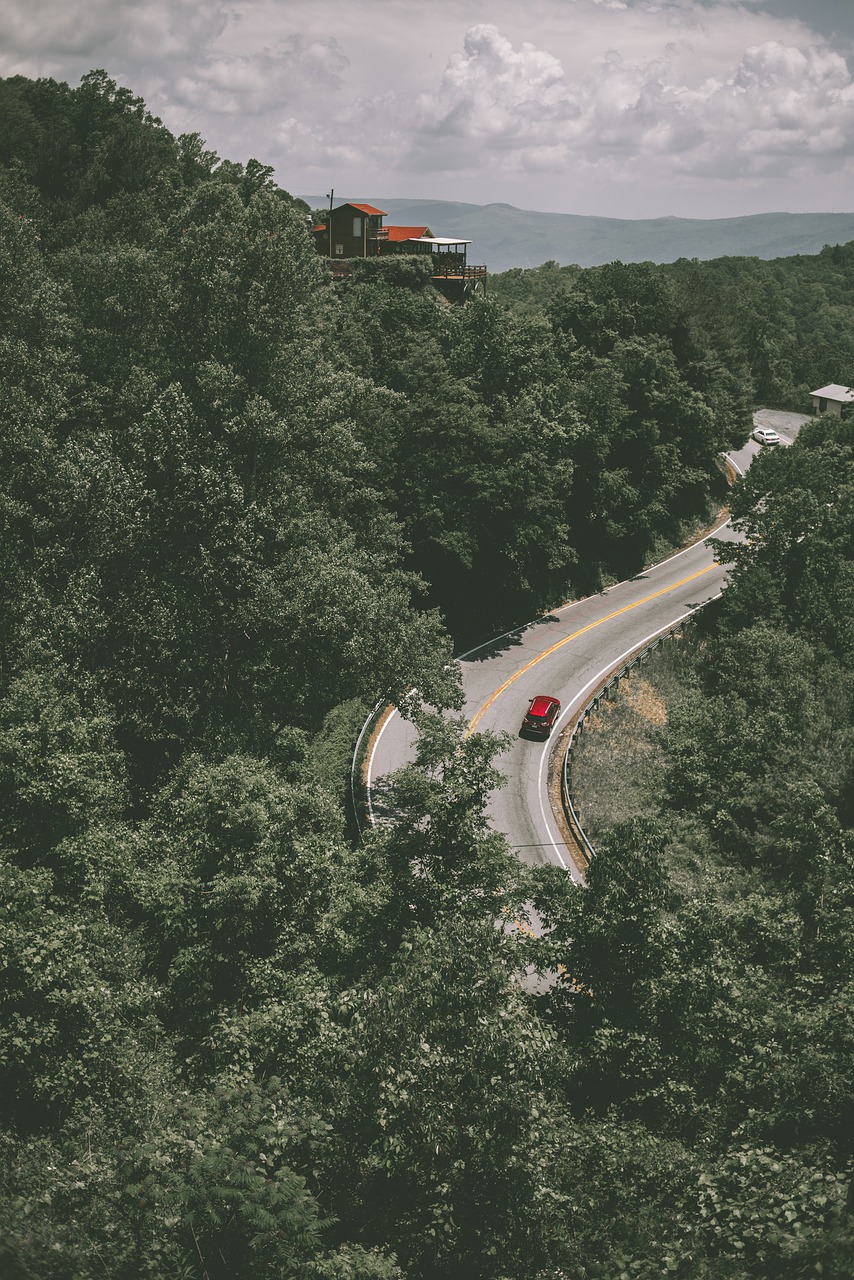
{"type": "Point", "coordinates": [567, 653]}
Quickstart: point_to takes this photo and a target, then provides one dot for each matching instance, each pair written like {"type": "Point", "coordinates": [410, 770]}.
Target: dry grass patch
{"type": "Point", "coordinates": [620, 760]}
{"type": "Point", "coordinates": [645, 701]}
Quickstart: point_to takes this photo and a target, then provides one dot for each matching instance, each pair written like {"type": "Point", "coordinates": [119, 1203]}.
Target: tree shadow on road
{"type": "Point", "coordinates": [384, 810]}
{"type": "Point", "coordinates": [510, 640]}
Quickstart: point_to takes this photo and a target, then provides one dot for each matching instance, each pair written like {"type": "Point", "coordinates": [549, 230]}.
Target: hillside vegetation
{"type": "Point", "coordinates": [239, 505]}
{"type": "Point", "coordinates": [782, 328]}
{"type": "Point", "coordinates": [739, 743]}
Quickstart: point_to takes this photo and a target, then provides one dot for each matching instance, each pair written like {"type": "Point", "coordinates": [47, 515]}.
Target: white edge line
{"type": "Point", "coordinates": [524, 626]}
{"type": "Point", "coordinates": [562, 608]}
{"type": "Point", "coordinates": [395, 711]}
{"type": "Point", "coordinates": [371, 754]}
{"type": "Point", "coordinates": [573, 871]}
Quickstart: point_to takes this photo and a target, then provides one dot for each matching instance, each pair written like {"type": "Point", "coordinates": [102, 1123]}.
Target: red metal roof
{"type": "Point", "coordinates": [367, 208]}
{"type": "Point", "coordinates": [322, 227]}
{"type": "Point", "coordinates": [407, 233]}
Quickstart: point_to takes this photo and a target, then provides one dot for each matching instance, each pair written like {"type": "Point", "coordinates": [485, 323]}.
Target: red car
{"type": "Point", "coordinates": [541, 715]}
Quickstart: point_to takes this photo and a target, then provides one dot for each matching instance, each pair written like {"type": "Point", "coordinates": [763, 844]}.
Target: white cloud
{"type": "Point", "coordinates": [251, 85]}
{"type": "Point", "coordinates": [543, 103]}
{"type": "Point", "coordinates": [495, 96]}
{"type": "Point", "coordinates": [517, 107]}
{"type": "Point", "coordinates": [51, 26]}
{"type": "Point", "coordinates": [51, 36]}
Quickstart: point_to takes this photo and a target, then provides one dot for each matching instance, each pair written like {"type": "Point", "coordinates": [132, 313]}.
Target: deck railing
{"type": "Point", "coordinates": [445, 267]}
{"type": "Point", "coordinates": [443, 270]}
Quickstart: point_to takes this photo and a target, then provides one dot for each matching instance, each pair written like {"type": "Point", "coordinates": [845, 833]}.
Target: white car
{"type": "Point", "coordinates": [765, 435]}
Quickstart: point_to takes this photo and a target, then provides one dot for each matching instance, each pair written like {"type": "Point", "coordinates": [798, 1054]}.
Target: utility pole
{"type": "Point", "coordinates": [330, 193]}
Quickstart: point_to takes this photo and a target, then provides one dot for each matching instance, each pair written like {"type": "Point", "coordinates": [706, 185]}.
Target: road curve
{"type": "Point", "coordinates": [566, 653]}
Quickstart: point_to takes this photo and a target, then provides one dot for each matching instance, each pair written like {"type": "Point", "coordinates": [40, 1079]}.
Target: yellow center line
{"type": "Point", "coordinates": [478, 716]}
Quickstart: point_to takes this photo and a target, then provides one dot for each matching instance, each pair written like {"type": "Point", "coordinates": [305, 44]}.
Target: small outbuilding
{"type": "Point", "coordinates": [831, 398]}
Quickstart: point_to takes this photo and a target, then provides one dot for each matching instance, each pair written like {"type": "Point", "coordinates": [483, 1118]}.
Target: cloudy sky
{"type": "Point", "coordinates": [626, 108]}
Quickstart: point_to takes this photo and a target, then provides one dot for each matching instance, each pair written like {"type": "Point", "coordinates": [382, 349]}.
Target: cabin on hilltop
{"type": "Point", "coordinates": [356, 231]}
{"type": "Point", "coordinates": [831, 398]}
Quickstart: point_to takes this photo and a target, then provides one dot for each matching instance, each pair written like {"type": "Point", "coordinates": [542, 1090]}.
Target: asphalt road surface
{"type": "Point", "coordinates": [567, 654]}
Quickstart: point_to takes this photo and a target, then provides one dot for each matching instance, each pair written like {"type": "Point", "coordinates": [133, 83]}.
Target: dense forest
{"type": "Point", "coordinates": [238, 505]}
{"type": "Point", "coordinates": [782, 327]}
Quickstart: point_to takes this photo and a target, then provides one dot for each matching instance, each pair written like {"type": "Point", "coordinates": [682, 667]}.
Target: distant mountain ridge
{"type": "Point", "coordinates": [503, 236]}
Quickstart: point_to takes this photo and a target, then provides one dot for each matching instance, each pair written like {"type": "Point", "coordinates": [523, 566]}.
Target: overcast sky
{"type": "Point", "coordinates": [625, 108]}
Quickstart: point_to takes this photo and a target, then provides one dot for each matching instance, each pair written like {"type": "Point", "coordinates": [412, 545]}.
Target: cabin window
{"type": "Point", "coordinates": [339, 251]}
{"type": "Point", "coordinates": [357, 227]}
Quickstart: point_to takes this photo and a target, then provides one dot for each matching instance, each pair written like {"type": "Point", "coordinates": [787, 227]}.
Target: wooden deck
{"type": "Point", "coordinates": [453, 272]}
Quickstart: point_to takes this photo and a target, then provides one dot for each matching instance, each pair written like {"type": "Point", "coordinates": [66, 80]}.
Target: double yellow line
{"type": "Point", "coordinates": [481, 712]}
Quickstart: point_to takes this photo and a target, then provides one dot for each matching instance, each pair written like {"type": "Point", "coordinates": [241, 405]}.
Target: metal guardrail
{"type": "Point", "coordinates": [611, 685]}
{"type": "Point", "coordinates": [356, 764]}
{"type": "Point", "coordinates": [613, 681]}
